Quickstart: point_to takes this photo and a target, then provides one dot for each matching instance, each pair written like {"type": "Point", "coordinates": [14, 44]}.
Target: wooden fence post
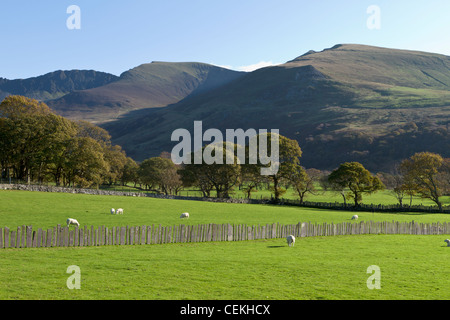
{"type": "Point", "coordinates": [6, 242]}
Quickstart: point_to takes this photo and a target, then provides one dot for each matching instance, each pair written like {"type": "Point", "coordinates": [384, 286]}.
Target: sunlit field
{"type": "Point", "coordinates": [332, 268]}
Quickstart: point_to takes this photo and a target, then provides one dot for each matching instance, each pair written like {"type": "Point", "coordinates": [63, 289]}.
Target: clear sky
{"type": "Point", "coordinates": [115, 36]}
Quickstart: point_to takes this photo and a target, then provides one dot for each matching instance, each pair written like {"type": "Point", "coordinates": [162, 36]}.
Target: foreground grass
{"type": "Point", "coordinates": [46, 210]}
{"type": "Point", "coordinates": [412, 267]}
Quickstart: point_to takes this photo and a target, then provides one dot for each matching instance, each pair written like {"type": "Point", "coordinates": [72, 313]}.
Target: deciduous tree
{"type": "Point", "coordinates": [357, 179]}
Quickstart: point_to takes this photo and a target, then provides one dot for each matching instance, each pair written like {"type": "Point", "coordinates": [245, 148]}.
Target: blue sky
{"type": "Point", "coordinates": [116, 36]}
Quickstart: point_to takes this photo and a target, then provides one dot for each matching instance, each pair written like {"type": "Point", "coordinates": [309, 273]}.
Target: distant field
{"type": "Point", "coordinates": [46, 210]}
{"type": "Point", "coordinates": [385, 197]}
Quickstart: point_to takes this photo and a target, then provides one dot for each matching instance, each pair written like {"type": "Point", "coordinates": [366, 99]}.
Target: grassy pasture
{"type": "Point", "coordinates": [385, 197]}
{"type": "Point", "coordinates": [46, 210]}
{"type": "Point", "coordinates": [412, 267]}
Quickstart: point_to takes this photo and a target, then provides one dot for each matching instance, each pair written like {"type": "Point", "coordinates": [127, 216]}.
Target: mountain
{"type": "Point", "coordinates": [54, 84]}
{"type": "Point", "coordinates": [346, 103]}
{"type": "Point", "coordinates": [151, 85]}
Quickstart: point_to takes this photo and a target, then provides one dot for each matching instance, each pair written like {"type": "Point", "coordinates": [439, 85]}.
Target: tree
{"type": "Point", "coordinates": [31, 136]}
{"type": "Point", "coordinates": [130, 172]}
{"type": "Point", "coordinates": [160, 174]}
{"type": "Point", "coordinates": [116, 159]}
{"type": "Point", "coordinates": [396, 183]}
{"type": "Point", "coordinates": [426, 172]}
{"type": "Point", "coordinates": [39, 145]}
{"type": "Point", "coordinates": [251, 178]}
{"type": "Point", "coordinates": [223, 174]}
{"type": "Point", "coordinates": [192, 175]}
{"type": "Point", "coordinates": [85, 164]}
{"type": "Point", "coordinates": [354, 177]}
{"type": "Point", "coordinates": [303, 181]}
{"type": "Point", "coordinates": [288, 161]}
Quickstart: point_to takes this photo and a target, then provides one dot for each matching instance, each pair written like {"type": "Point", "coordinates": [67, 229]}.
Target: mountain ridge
{"type": "Point", "coordinates": [55, 84]}
{"type": "Point", "coordinates": [349, 102]}
{"type": "Point", "coordinates": [151, 85]}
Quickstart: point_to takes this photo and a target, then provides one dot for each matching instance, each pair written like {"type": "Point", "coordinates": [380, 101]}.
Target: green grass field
{"type": "Point", "coordinates": [412, 267]}
{"type": "Point", "coordinates": [385, 197]}
{"type": "Point", "coordinates": [46, 210]}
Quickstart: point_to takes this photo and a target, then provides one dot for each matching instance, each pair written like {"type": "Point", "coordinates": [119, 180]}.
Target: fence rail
{"type": "Point", "coordinates": [63, 236]}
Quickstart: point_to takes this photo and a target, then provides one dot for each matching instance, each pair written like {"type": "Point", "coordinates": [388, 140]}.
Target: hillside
{"type": "Point", "coordinates": [350, 102]}
{"type": "Point", "coordinates": [151, 85]}
{"type": "Point", "coordinates": [55, 84]}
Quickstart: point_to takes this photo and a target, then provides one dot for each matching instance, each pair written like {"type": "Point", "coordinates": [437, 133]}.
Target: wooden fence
{"type": "Point", "coordinates": [26, 237]}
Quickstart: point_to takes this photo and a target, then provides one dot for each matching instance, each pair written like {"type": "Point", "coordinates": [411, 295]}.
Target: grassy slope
{"type": "Point", "coordinates": [46, 210]}
{"type": "Point", "coordinates": [412, 267]}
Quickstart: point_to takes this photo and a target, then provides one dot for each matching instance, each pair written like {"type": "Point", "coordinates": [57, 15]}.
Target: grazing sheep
{"type": "Point", "coordinates": [113, 211]}
{"type": "Point", "coordinates": [184, 215]}
{"type": "Point", "coordinates": [355, 217]}
{"type": "Point", "coordinates": [290, 240]}
{"type": "Point", "coordinates": [119, 211]}
{"type": "Point", "coordinates": [448, 242]}
{"type": "Point", "coordinates": [72, 221]}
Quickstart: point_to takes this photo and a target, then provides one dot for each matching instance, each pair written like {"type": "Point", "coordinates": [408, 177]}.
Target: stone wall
{"type": "Point", "coordinates": [39, 188]}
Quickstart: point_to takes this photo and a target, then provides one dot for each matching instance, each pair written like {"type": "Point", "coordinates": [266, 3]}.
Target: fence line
{"type": "Point", "coordinates": [26, 237]}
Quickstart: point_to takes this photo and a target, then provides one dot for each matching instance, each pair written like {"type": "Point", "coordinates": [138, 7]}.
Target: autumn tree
{"type": "Point", "coordinates": [31, 136]}
{"type": "Point", "coordinates": [130, 172]}
{"type": "Point", "coordinates": [358, 180]}
{"type": "Point", "coordinates": [426, 172]}
{"type": "Point", "coordinates": [160, 174]}
{"type": "Point", "coordinates": [85, 164]}
{"type": "Point", "coordinates": [289, 154]}
{"type": "Point", "coordinates": [39, 145]}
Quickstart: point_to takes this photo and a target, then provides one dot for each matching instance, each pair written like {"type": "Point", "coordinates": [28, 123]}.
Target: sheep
{"type": "Point", "coordinates": [290, 240]}
{"type": "Point", "coordinates": [113, 211]}
{"type": "Point", "coordinates": [119, 211]}
{"type": "Point", "coordinates": [448, 242]}
{"type": "Point", "coordinates": [184, 215]}
{"type": "Point", "coordinates": [355, 217]}
{"type": "Point", "coordinates": [72, 221]}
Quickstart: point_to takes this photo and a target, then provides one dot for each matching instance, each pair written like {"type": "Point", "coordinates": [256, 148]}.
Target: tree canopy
{"type": "Point", "coordinates": [355, 178]}
{"type": "Point", "coordinates": [41, 146]}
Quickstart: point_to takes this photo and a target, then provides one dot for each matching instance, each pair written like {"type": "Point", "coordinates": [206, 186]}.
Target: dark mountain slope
{"type": "Point", "coordinates": [350, 102]}
{"type": "Point", "coordinates": [150, 85]}
{"type": "Point", "coordinates": [55, 84]}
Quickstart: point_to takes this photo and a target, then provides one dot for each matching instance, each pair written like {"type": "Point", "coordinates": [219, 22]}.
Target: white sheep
{"type": "Point", "coordinates": [184, 215]}
{"type": "Point", "coordinates": [119, 211]}
{"type": "Point", "coordinates": [290, 240]}
{"type": "Point", "coordinates": [355, 217]}
{"type": "Point", "coordinates": [113, 211]}
{"type": "Point", "coordinates": [448, 242]}
{"type": "Point", "coordinates": [72, 221]}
